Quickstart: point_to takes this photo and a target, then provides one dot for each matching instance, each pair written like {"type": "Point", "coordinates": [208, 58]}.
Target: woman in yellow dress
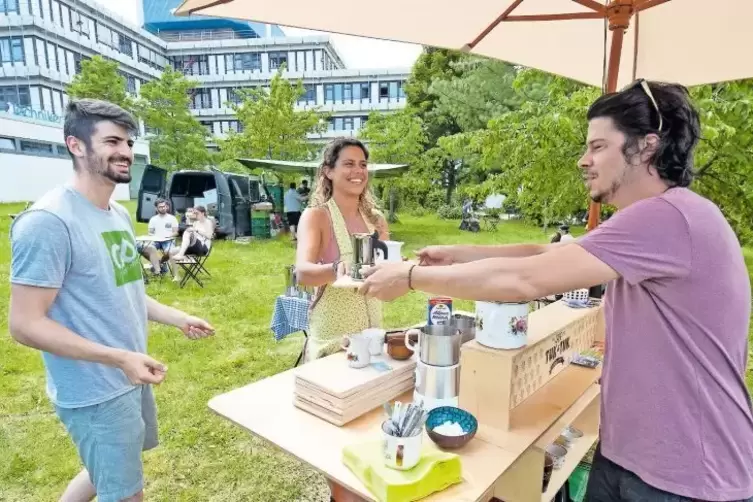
{"type": "Point", "coordinates": [340, 205]}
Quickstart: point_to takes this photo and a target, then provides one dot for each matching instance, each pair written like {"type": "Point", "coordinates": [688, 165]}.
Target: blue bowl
{"type": "Point", "coordinates": [443, 414]}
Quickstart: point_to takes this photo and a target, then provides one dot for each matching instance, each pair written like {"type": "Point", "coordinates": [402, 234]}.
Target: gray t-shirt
{"type": "Point", "coordinates": [89, 254]}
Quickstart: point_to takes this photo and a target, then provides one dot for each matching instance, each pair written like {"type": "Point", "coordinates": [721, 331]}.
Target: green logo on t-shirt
{"type": "Point", "coordinates": [125, 258]}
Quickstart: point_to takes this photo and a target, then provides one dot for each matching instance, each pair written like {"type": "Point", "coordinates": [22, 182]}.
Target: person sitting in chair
{"type": "Point", "coordinates": [197, 239]}
{"type": "Point", "coordinates": [163, 226]}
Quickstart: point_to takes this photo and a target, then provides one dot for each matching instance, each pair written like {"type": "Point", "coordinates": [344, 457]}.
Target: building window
{"type": "Point", "coordinates": [208, 125]}
{"type": "Point", "coordinates": [384, 90]}
{"type": "Point", "coordinates": [244, 61]}
{"type": "Point", "coordinates": [15, 95]}
{"type": "Point", "coordinates": [150, 58]}
{"type": "Point", "coordinates": [10, 6]}
{"type": "Point", "coordinates": [125, 45]}
{"type": "Point", "coordinates": [201, 99]}
{"type": "Point", "coordinates": [393, 90]}
{"type": "Point", "coordinates": [235, 126]}
{"type": "Point", "coordinates": [234, 96]}
{"type": "Point", "coordinates": [7, 144]}
{"type": "Point", "coordinates": [60, 14]}
{"type": "Point", "coordinates": [192, 64]}
{"type": "Point", "coordinates": [329, 93]}
{"type": "Point", "coordinates": [348, 123]}
{"type": "Point", "coordinates": [337, 124]}
{"type": "Point", "coordinates": [77, 58]}
{"type": "Point", "coordinates": [309, 94]}
{"type": "Point", "coordinates": [365, 89]}
{"type": "Point", "coordinates": [277, 59]}
{"type": "Point", "coordinates": [79, 24]}
{"type": "Point", "coordinates": [11, 50]}
{"type": "Point", "coordinates": [35, 147]}
{"type": "Point", "coordinates": [130, 83]}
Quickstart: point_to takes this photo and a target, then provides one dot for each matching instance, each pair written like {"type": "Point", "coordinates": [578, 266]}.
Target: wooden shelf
{"type": "Point", "coordinates": [588, 423]}
{"type": "Point", "coordinates": [576, 410]}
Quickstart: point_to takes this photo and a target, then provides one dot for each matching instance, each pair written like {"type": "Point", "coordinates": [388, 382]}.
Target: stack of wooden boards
{"type": "Point", "coordinates": [331, 390]}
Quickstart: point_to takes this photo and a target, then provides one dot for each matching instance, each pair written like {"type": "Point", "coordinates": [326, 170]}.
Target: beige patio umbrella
{"type": "Point", "coordinates": [605, 44]}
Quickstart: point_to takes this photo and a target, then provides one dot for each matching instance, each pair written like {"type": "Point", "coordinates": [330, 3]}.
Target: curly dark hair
{"type": "Point", "coordinates": [676, 122]}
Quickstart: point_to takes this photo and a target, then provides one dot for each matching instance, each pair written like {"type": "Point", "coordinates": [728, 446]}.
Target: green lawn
{"type": "Point", "coordinates": [202, 457]}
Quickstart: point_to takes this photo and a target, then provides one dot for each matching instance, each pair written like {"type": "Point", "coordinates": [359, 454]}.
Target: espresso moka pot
{"type": "Point", "coordinates": [364, 247]}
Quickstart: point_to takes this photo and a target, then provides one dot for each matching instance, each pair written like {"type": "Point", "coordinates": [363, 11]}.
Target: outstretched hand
{"type": "Point", "coordinates": [386, 281]}
{"type": "Point", "coordinates": [196, 328]}
{"type": "Point", "coordinates": [435, 255]}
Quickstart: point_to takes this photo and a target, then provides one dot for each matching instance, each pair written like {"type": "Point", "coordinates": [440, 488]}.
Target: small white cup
{"type": "Point", "coordinates": [402, 453]}
{"type": "Point", "coordinates": [357, 351]}
{"type": "Point", "coordinates": [376, 340]}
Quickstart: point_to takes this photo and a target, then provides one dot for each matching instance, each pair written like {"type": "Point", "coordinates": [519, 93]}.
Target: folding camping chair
{"type": "Point", "coordinates": [193, 266]}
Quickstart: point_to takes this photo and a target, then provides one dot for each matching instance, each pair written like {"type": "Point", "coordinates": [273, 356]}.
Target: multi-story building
{"type": "Point", "coordinates": [42, 44]}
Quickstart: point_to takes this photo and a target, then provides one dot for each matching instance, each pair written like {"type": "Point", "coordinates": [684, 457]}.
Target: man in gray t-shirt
{"type": "Point", "coordinates": [77, 295]}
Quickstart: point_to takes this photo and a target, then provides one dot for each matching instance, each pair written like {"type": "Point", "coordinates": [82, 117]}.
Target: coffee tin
{"type": "Point", "coordinates": [440, 311]}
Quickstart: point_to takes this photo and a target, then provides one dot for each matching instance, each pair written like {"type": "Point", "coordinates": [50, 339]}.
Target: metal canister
{"type": "Point", "coordinates": [291, 283]}
{"type": "Point", "coordinates": [440, 311]}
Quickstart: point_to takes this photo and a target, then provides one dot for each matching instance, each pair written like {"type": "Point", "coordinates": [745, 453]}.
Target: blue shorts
{"type": "Point", "coordinates": [163, 246]}
{"type": "Point", "coordinates": [110, 437]}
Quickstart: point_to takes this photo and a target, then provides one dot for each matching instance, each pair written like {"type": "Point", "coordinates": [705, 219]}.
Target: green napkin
{"type": "Point", "coordinates": [436, 471]}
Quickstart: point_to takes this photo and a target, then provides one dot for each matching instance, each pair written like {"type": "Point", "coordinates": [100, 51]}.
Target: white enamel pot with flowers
{"type": "Point", "coordinates": [502, 325]}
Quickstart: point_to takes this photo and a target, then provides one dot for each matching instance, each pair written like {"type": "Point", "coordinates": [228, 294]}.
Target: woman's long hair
{"type": "Point", "coordinates": [323, 189]}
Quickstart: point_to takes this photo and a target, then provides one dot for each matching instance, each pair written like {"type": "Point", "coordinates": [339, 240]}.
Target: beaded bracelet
{"type": "Point", "coordinates": [410, 277]}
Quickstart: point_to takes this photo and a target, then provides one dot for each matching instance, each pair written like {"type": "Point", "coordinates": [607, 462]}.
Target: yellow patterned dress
{"type": "Point", "coordinates": [338, 312]}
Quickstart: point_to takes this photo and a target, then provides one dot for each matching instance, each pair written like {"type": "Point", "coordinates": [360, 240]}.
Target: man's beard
{"type": "Point", "coordinates": [104, 168]}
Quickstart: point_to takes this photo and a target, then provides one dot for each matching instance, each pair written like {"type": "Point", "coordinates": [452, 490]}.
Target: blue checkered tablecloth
{"type": "Point", "coordinates": [291, 314]}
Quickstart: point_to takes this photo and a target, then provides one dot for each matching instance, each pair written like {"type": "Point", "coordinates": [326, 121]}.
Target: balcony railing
{"type": "Point", "coordinates": [201, 35]}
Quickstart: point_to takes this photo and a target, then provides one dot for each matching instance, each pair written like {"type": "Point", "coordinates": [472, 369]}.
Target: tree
{"type": "Point", "coordinates": [432, 66]}
{"type": "Point", "coordinates": [179, 141]}
{"type": "Point", "coordinates": [531, 153]}
{"type": "Point", "coordinates": [397, 138]}
{"type": "Point", "coordinates": [481, 90]}
{"type": "Point", "coordinates": [394, 138]}
{"type": "Point", "coordinates": [100, 79]}
{"type": "Point", "coordinates": [724, 170]}
{"type": "Point", "coordinates": [271, 126]}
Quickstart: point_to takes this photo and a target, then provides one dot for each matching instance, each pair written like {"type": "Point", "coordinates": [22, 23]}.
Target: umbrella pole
{"type": "Point", "coordinates": [619, 12]}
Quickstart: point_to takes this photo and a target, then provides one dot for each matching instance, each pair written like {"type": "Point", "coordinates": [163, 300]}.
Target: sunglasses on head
{"type": "Point", "coordinates": [643, 84]}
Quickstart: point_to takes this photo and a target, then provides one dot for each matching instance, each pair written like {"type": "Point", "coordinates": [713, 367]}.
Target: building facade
{"type": "Point", "coordinates": [42, 44]}
{"type": "Point", "coordinates": [34, 159]}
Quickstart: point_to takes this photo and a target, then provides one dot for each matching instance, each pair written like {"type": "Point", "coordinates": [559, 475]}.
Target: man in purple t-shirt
{"type": "Point", "coordinates": [676, 420]}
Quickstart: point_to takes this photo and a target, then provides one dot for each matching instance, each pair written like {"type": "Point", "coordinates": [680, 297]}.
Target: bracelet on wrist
{"type": "Point", "coordinates": [410, 277]}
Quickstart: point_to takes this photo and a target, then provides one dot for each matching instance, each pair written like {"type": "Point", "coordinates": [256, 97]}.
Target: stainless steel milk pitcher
{"type": "Point", "coordinates": [364, 247]}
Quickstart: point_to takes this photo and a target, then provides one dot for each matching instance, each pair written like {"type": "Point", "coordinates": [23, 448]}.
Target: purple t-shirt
{"type": "Point", "coordinates": [675, 409]}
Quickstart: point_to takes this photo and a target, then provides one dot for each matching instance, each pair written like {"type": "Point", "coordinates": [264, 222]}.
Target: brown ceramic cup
{"type": "Point", "coordinates": [396, 349]}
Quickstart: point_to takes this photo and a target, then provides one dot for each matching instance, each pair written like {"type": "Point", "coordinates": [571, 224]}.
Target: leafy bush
{"type": "Point", "coordinates": [450, 212]}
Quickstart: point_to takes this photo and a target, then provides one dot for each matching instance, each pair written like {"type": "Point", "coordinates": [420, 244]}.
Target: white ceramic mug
{"type": "Point", "coordinates": [394, 252]}
{"type": "Point", "coordinates": [502, 325]}
{"type": "Point", "coordinates": [376, 340]}
{"type": "Point", "coordinates": [357, 351]}
{"type": "Point", "coordinates": [402, 453]}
